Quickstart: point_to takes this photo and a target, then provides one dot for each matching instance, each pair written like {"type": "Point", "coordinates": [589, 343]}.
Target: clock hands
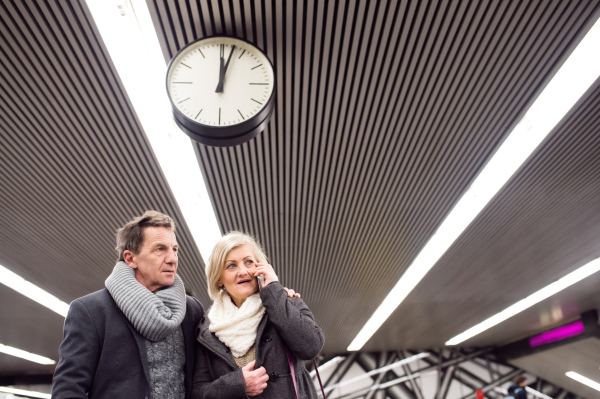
{"type": "Point", "coordinates": [223, 68]}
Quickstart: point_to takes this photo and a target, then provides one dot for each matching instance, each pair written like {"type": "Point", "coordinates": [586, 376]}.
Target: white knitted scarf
{"type": "Point", "coordinates": [154, 316]}
{"type": "Point", "coordinates": [236, 327]}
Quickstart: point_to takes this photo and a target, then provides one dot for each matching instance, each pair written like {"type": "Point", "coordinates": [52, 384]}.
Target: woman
{"type": "Point", "coordinates": [241, 343]}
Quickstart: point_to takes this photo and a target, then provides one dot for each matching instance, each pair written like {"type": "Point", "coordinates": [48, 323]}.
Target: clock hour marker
{"type": "Point", "coordinates": [256, 101]}
{"type": "Point", "coordinates": [186, 65]}
{"type": "Point", "coordinates": [241, 54]}
{"type": "Point", "coordinates": [256, 66]}
{"type": "Point", "coordinates": [266, 84]}
{"type": "Point", "coordinates": [184, 83]}
{"type": "Point", "coordinates": [219, 116]}
{"type": "Point", "coordinates": [201, 53]}
{"type": "Point", "coordinates": [241, 114]}
{"type": "Point", "coordinates": [183, 100]}
{"type": "Point", "coordinates": [198, 114]}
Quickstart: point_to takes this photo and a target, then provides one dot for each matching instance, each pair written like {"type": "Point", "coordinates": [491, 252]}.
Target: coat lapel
{"type": "Point", "coordinates": [141, 343]}
{"type": "Point", "coordinates": [212, 343]}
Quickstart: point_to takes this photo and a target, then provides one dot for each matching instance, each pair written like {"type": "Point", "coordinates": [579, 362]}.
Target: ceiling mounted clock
{"type": "Point", "coordinates": [222, 90]}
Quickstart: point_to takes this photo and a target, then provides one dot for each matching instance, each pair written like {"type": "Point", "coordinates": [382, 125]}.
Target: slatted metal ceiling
{"type": "Point", "coordinates": [385, 113]}
{"type": "Point", "coordinates": [75, 162]}
{"type": "Point", "coordinates": [544, 224]}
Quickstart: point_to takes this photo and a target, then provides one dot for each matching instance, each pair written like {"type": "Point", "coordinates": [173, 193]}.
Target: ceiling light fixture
{"type": "Point", "coordinates": [128, 33]}
{"type": "Point", "coordinates": [33, 292]}
{"type": "Point", "coordinates": [9, 350]}
{"type": "Point", "coordinates": [549, 290]}
{"type": "Point", "coordinates": [583, 380]}
{"type": "Point", "coordinates": [576, 75]}
{"type": "Point", "coordinates": [21, 392]}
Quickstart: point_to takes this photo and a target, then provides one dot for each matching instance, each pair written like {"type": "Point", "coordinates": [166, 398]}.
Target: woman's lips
{"type": "Point", "coordinates": [244, 282]}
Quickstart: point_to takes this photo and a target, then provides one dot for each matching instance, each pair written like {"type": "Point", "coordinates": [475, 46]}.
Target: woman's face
{"type": "Point", "coordinates": [238, 274]}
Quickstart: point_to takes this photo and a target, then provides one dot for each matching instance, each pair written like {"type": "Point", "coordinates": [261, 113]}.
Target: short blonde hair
{"type": "Point", "coordinates": [216, 261]}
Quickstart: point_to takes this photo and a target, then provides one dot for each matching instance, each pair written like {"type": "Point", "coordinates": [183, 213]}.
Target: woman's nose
{"type": "Point", "coordinates": [243, 271]}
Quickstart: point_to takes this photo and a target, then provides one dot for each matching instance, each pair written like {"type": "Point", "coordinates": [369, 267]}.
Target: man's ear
{"type": "Point", "coordinates": [128, 258]}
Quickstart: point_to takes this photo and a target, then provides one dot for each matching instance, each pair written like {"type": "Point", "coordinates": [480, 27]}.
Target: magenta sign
{"type": "Point", "coordinates": [560, 333]}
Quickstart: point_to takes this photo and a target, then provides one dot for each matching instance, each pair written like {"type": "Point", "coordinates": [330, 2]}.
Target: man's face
{"type": "Point", "coordinates": [156, 264]}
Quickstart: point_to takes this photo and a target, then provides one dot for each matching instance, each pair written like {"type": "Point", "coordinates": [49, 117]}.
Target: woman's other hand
{"type": "Point", "coordinates": [256, 380]}
{"type": "Point", "coordinates": [267, 271]}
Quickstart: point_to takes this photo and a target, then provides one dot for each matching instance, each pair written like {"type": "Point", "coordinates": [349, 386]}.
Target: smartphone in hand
{"type": "Point", "coordinates": [261, 281]}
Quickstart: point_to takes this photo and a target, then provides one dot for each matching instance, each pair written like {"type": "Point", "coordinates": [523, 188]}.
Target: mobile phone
{"type": "Point", "coordinates": [261, 281]}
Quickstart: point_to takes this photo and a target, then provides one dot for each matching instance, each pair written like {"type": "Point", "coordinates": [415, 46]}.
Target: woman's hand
{"type": "Point", "coordinates": [267, 271]}
{"type": "Point", "coordinates": [256, 380]}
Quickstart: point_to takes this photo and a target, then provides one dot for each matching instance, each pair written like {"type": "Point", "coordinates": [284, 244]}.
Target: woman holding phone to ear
{"type": "Point", "coordinates": [245, 338]}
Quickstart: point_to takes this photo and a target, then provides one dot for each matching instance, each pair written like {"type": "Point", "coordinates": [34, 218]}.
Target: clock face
{"type": "Point", "coordinates": [220, 81]}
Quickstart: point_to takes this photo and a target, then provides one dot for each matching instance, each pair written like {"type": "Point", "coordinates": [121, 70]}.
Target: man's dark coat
{"type": "Point", "coordinates": [103, 356]}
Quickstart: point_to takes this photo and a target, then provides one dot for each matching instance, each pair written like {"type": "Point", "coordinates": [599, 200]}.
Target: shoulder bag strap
{"type": "Point", "coordinates": [292, 371]}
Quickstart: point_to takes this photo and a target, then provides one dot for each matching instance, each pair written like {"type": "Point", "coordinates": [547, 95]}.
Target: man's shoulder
{"type": "Point", "coordinates": [95, 300]}
{"type": "Point", "coordinates": [194, 310]}
{"type": "Point", "coordinates": [193, 304]}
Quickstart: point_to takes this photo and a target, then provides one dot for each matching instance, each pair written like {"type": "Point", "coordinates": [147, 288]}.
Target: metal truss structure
{"type": "Point", "coordinates": [448, 373]}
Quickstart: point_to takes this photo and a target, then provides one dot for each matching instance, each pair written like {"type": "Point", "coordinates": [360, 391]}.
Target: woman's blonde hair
{"type": "Point", "coordinates": [216, 261]}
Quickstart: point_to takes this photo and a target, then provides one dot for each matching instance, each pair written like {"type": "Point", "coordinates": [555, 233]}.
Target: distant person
{"type": "Point", "coordinates": [135, 338]}
{"type": "Point", "coordinates": [244, 342]}
{"type": "Point", "coordinates": [519, 387]}
{"type": "Point", "coordinates": [511, 393]}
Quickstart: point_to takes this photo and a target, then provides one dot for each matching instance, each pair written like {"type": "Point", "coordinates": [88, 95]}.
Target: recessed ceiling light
{"type": "Point", "coordinates": [128, 33]}
{"type": "Point", "coordinates": [9, 350]}
{"type": "Point", "coordinates": [31, 291]}
{"type": "Point", "coordinates": [577, 74]}
{"type": "Point", "coordinates": [583, 380]}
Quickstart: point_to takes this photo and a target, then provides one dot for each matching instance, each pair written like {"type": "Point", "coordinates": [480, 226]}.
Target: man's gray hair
{"type": "Point", "coordinates": [131, 236]}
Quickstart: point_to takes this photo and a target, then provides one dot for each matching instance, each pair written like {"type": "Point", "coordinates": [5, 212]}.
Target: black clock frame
{"type": "Point", "coordinates": [224, 136]}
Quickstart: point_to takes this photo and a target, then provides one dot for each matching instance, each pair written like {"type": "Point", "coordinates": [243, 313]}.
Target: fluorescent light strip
{"type": "Point", "coordinates": [557, 286]}
{"type": "Point", "coordinates": [583, 380]}
{"type": "Point", "coordinates": [22, 392]}
{"type": "Point", "coordinates": [33, 292]}
{"type": "Point", "coordinates": [9, 350]}
{"type": "Point", "coordinates": [577, 74]}
{"type": "Point", "coordinates": [328, 364]}
{"type": "Point", "coordinates": [135, 51]}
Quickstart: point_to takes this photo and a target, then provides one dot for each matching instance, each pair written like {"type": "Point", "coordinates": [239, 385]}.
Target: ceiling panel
{"type": "Point", "coordinates": [386, 111]}
{"type": "Point", "coordinates": [544, 224]}
{"type": "Point", "coordinates": [583, 357]}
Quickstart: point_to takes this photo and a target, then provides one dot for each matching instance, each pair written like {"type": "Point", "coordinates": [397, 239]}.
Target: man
{"type": "Point", "coordinates": [135, 338]}
{"type": "Point", "coordinates": [519, 387]}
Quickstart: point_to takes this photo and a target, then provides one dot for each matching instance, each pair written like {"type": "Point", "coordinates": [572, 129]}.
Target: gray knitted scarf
{"type": "Point", "coordinates": [153, 315]}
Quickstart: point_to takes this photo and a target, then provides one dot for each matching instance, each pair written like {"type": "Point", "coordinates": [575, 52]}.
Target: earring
{"type": "Point", "coordinates": [221, 291]}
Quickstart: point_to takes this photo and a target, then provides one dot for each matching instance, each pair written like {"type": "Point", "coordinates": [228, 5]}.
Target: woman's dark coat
{"type": "Point", "coordinates": [287, 322]}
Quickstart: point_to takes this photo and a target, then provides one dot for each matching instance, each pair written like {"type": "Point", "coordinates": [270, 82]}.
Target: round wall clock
{"type": "Point", "coordinates": [222, 90]}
